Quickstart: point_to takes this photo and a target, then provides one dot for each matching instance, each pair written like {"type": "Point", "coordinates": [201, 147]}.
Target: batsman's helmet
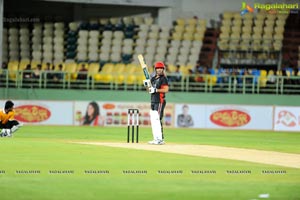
{"type": "Point", "coordinates": [159, 65]}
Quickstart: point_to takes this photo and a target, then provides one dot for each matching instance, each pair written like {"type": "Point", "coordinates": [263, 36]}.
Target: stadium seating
{"type": "Point", "coordinates": [71, 70]}
{"type": "Point", "coordinates": [105, 75]}
{"type": "Point", "coordinates": [257, 34]}
{"type": "Point", "coordinates": [13, 67]}
{"type": "Point", "coordinates": [184, 33]}
{"type": "Point", "coordinates": [116, 42]}
{"type": "Point", "coordinates": [103, 40]}
{"type": "Point", "coordinates": [13, 45]}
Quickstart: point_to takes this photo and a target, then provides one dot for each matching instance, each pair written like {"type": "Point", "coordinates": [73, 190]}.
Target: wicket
{"type": "Point", "coordinates": [133, 121]}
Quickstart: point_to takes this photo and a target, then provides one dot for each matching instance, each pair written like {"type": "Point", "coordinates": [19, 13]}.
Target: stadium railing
{"type": "Point", "coordinates": [244, 84]}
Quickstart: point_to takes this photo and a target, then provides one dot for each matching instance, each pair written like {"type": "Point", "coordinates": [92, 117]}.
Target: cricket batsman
{"type": "Point", "coordinates": [158, 88]}
{"type": "Point", "coordinates": [7, 122]}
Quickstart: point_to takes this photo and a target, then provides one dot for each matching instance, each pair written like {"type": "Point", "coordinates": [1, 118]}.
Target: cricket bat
{"type": "Point", "coordinates": [145, 69]}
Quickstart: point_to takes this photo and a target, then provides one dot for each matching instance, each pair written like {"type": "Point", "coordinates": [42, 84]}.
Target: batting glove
{"type": "Point", "coordinates": [146, 83]}
{"type": "Point", "coordinates": [152, 90]}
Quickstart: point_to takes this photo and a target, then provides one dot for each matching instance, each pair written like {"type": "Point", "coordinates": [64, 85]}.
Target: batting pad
{"type": "Point", "coordinates": [155, 124]}
{"type": "Point", "coordinates": [14, 128]}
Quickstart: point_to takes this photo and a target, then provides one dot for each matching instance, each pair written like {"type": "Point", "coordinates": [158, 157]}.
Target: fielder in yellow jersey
{"type": "Point", "coordinates": [7, 122]}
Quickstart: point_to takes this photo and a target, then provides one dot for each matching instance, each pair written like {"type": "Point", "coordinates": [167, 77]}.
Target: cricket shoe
{"type": "Point", "coordinates": [5, 133]}
{"type": "Point", "coordinates": [156, 142]}
{"type": "Point", "coordinates": [8, 133]}
{"type": "Point", "coordinates": [151, 142]}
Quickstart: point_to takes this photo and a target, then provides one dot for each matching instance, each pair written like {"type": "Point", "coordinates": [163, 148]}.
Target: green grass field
{"type": "Point", "coordinates": [42, 150]}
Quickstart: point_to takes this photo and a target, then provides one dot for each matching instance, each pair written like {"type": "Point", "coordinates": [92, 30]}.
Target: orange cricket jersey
{"type": "Point", "coordinates": [4, 117]}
